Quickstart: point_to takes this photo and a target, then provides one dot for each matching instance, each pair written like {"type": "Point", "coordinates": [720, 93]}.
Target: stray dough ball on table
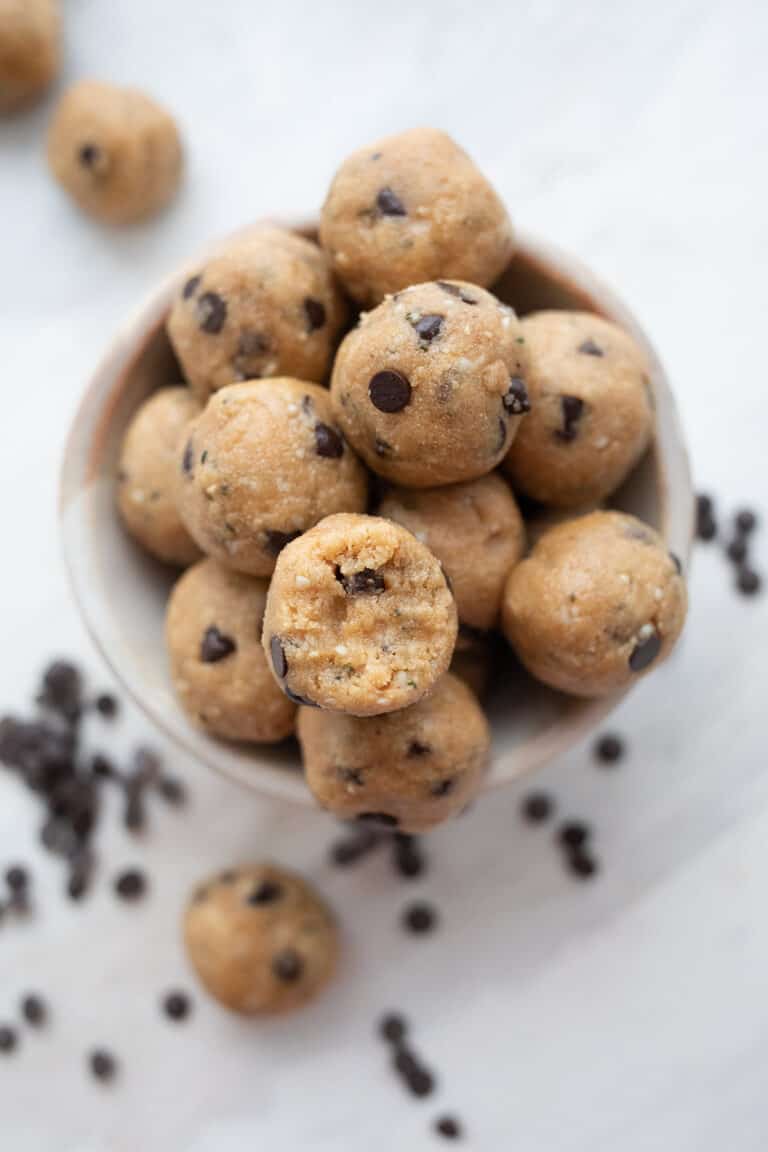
{"type": "Point", "coordinates": [218, 667]}
{"type": "Point", "coordinates": [148, 476]}
{"type": "Point", "coordinates": [264, 462]}
{"type": "Point", "coordinates": [265, 306]}
{"type": "Point", "coordinates": [410, 208]}
{"type": "Point", "coordinates": [472, 659]}
{"type": "Point", "coordinates": [30, 47]}
{"type": "Point", "coordinates": [115, 151]}
{"type": "Point", "coordinates": [592, 409]}
{"type": "Point", "coordinates": [598, 601]}
{"type": "Point", "coordinates": [477, 534]}
{"type": "Point", "coordinates": [359, 617]}
{"type": "Point", "coordinates": [260, 940]}
{"type": "Point", "coordinates": [430, 387]}
{"type": "Point", "coordinates": [410, 770]}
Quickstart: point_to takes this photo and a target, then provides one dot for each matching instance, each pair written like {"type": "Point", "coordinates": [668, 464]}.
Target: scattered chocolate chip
{"type": "Point", "coordinates": [353, 848]}
{"type": "Point", "coordinates": [277, 652]}
{"type": "Point", "coordinates": [177, 1005]}
{"type": "Point", "coordinates": [216, 646]}
{"type": "Point", "coordinates": [389, 204]}
{"type": "Point", "coordinates": [366, 582]}
{"type": "Point", "coordinates": [102, 1064]}
{"type": "Point", "coordinates": [8, 1038]}
{"type": "Point", "coordinates": [130, 884]}
{"type": "Point", "coordinates": [428, 327]}
{"type": "Point", "coordinates": [78, 883]}
{"type": "Point", "coordinates": [172, 790]}
{"type": "Point", "coordinates": [677, 563]}
{"type": "Point", "coordinates": [147, 766]}
{"type": "Point", "coordinates": [328, 442]}
{"type": "Point", "coordinates": [17, 878]}
{"type": "Point", "coordinates": [737, 550]}
{"type": "Point", "coordinates": [383, 818]}
{"type": "Point", "coordinates": [572, 408]}
{"type": "Point", "coordinates": [449, 1128]}
{"type": "Point", "coordinates": [288, 966]}
{"type": "Point", "coordinates": [455, 290]}
{"type": "Point", "coordinates": [134, 810]}
{"type": "Point", "coordinates": [581, 864]}
{"type": "Point", "coordinates": [417, 1079]}
{"type": "Point", "coordinates": [34, 1010]}
{"type": "Point", "coordinates": [393, 1028]}
{"type": "Point", "coordinates": [748, 581]}
{"type": "Point", "coordinates": [537, 807]}
{"type": "Point", "coordinates": [706, 524]}
{"type": "Point", "coordinates": [61, 690]}
{"type": "Point", "coordinates": [191, 287]}
{"type": "Point", "coordinates": [265, 893]}
{"type": "Point", "coordinates": [188, 459]}
{"type": "Point", "coordinates": [609, 749]}
{"type": "Point", "coordinates": [746, 521]}
{"type": "Point", "coordinates": [573, 834]}
{"type": "Point", "coordinates": [211, 313]}
{"type": "Point", "coordinates": [590, 348]}
{"type": "Point", "coordinates": [646, 650]}
{"type": "Point", "coordinates": [442, 787]}
{"type": "Point", "coordinates": [419, 918]}
{"type": "Point", "coordinates": [418, 748]}
{"type": "Point", "coordinates": [516, 400]}
{"type": "Point", "coordinates": [389, 391]}
{"type": "Point", "coordinates": [275, 541]}
{"type": "Point", "coordinates": [408, 858]}
{"type": "Point", "coordinates": [314, 311]}
{"type": "Point", "coordinates": [106, 705]}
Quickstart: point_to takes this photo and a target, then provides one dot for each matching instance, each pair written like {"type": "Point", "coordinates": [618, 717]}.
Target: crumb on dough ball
{"type": "Point", "coordinates": [359, 617]}
{"type": "Point", "coordinates": [409, 770]}
{"type": "Point", "coordinates": [260, 939]}
{"type": "Point", "coordinates": [262, 463]}
{"type": "Point", "coordinates": [266, 305]}
{"type": "Point", "coordinates": [591, 409]}
{"type": "Point", "coordinates": [115, 151]}
{"type": "Point", "coordinates": [474, 529]}
{"type": "Point", "coordinates": [410, 208]}
{"type": "Point", "coordinates": [148, 477]}
{"type": "Point", "coordinates": [431, 386]}
{"type": "Point", "coordinates": [30, 49]}
{"type": "Point", "coordinates": [598, 602]}
{"type": "Point", "coordinates": [218, 667]}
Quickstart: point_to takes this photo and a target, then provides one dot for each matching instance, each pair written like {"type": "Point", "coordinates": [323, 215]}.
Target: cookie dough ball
{"type": "Point", "coordinates": [260, 940]}
{"type": "Point", "coordinates": [265, 306]}
{"type": "Point", "coordinates": [472, 659]}
{"type": "Point", "coordinates": [30, 47]}
{"type": "Point", "coordinates": [431, 385]}
{"type": "Point", "coordinates": [264, 462]}
{"type": "Point", "coordinates": [476, 531]}
{"type": "Point", "coordinates": [115, 151]}
{"type": "Point", "coordinates": [359, 617]}
{"type": "Point", "coordinates": [410, 208]}
{"type": "Point", "coordinates": [148, 476]}
{"type": "Point", "coordinates": [591, 409]}
{"type": "Point", "coordinates": [598, 602]}
{"type": "Point", "coordinates": [218, 667]}
{"type": "Point", "coordinates": [410, 770]}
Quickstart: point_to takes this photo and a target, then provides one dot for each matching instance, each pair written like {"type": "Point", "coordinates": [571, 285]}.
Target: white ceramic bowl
{"type": "Point", "coordinates": [122, 593]}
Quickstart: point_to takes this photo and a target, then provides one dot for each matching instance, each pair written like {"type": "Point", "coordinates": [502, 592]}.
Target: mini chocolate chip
{"type": "Point", "coordinates": [537, 807]}
{"type": "Point", "coordinates": [267, 892]}
{"type": "Point", "coordinates": [581, 864]}
{"type": "Point", "coordinates": [419, 918]}
{"type": "Point", "coordinates": [8, 1038]}
{"type": "Point", "coordinates": [443, 787]}
{"type": "Point", "coordinates": [106, 705]}
{"type": "Point", "coordinates": [252, 343]}
{"type": "Point", "coordinates": [130, 884]}
{"type": "Point", "coordinates": [275, 541]}
{"type": "Point", "coordinates": [706, 523]}
{"type": "Point", "coordinates": [389, 391]}
{"type": "Point", "coordinates": [17, 878]}
{"type": "Point", "coordinates": [418, 1080]}
{"type": "Point", "coordinates": [366, 582]}
{"type": "Point", "coordinates": [147, 765]}
{"type": "Point", "coordinates": [328, 442]}
{"type": "Point", "coordinates": [211, 313]}
{"type": "Point", "coordinates": [645, 652]}
{"type": "Point", "coordinates": [393, 1028]}
{"type": "Point", "coordinates": [216, 646]}
{"type": "Point", "coordinates": [455, 290]}
{"type": "Point", "coordinates": [746, 521]}
{"type": "Point", "coordinates": [188, 459]}
{"type": "Point", "coordinates": [609, 749]}
{"type": "Point", "coordinates": [516, 399]}
{"type": "Point", "coordinates": [33, 1010]}
{"type": "Point", "coordinates": [353, 848]}
{"type": "Point", "coordinates": [389, 204]}
{"type": "Point", "coordinates": [572, 408]}
{"type": "Point", "coordinates": [428, 328]}
{"type": "Point", "coordinates": [383, 818]}
{"type": "Point", "coordinates": [737, 550]}
{"type": "Point", "coordinates": [172, 790]}
{"type": "Point", "coordinates": [314, 310]}
{"type": "Point", "coordinates": [191, 287]}
{"type": "Point", "coordinates": [277, 652]}
{"type": "Point", "coordinates": [102, 767]}
{"type": "Point", "coordinates": [351, 776]}
{"type": "Point", "coordinates": [573, 834]}
{"type": "Point", "coordinates": [417, 748]}
{"type": "Point", "coordinates": [677, 563]}
{"type": "Point", "coordinates": [448, 1127]}
{"type": "Point", "coordinates": [409, 861]}
{"type": "Point", "coordinates": [382, 448]}
{"type": "Point", "coordinates": [288, 966]}
{"type": "Point", "coordinates": [748, 581]}
{"type": "Point", "coordinates": [177, 1005]}
{"type": "Point", "coordinates": [590, 348]}
{"type": "Point", "coordinates": [102, 1064]}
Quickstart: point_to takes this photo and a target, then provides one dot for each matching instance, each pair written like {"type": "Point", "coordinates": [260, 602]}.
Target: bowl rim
{"type": "Point", "coordinates": [80, 465]}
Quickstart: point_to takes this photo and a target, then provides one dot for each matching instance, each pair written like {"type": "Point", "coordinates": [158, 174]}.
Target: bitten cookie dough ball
{"type": "Point", "coordinates": [410, 771]}
{"type": "Point", "coordinates": [264, 462]}
{"type": "Point", "coordinates": [266, 306]}
{"type": "Point", "coordinates": [359, 617]}
{"type": "Point", "coordinates": [472, 659]}
{"type": "Point", "coordinates": [218, 667]}
{"type": "Point", "coordinates": [148, 476]}
{"type": "Point", "coordinates": [409, 208]}
{"type": "Point", "coordinates": [115, 151]}
{"type": "Point", "coordinates": [591, 409]}
{"type": "Point", "coordinates": [598, 602]}
{"type": "Point", "coordinates": [477, 534]}
{"type": "Point", "coordinates": [431, 385]}
{"type": "Point", "coordinates": [260, 940]}
{"type": "Point", "coordinates": [30, 47]}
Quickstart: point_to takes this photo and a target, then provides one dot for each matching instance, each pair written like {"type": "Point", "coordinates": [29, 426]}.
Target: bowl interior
{"type": "Point", "coordinates": [122, 593]}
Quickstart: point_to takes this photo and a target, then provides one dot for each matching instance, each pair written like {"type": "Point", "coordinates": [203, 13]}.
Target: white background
{"type": "Point", "coordinates": [627, 1014]}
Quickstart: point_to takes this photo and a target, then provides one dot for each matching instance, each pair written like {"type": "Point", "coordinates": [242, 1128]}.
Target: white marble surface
{"type": "Point", "coordinates": [630, 1013]}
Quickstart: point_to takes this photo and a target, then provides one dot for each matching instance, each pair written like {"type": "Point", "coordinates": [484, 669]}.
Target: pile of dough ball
{"type": "Point", "coordinates": [342, 487]}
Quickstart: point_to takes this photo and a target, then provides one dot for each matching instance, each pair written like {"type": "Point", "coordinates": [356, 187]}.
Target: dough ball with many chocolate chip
{"type": "Point", "coordinates": [598, 602]}
{"type": "Point", "coordinates": [148, 475]}
{"type": "Point", "coordinates": [410, 208]}
{"type": "Point", "coordinates": [476, 531]}
{"type": "Point", "coordinates": [115, 151]}
{"type": "Point", "coordinates": [30, 47]}
{"type": "Point", "coordinates": [267, 305]}
{"type": "Point", "coordinates": [591, 409]}
{"type": "Point", "coordinates": [431, 386]}
{"type": "Point", "coordinates": [260, 939]}
{"type": "Point", "coordinates": [218, 667]}
{"type": "Point", "coordinates": [410, 770]}
{"type": "Point", "coordinates": [262, 463]}
{"type": "Point", "coordinates": [359, 617]}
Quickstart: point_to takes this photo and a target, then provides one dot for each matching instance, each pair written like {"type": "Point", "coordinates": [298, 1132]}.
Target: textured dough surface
{"type": "Point", "coordinates": [218, 667]}
{"type": "Point", "coordinates": [476, 531]}
{"type": "Point", "coordinates": [260, 939]}
{"type": "Point", "coordinates": [264, 462]}
{"type": "Point", "coordinates": [267, 305]}
{"type": "Point", "coordinates": [359, 617]}
{"type": "Point", "coordinates": [431, 386]}
{"type": "Point", "coordinates": [410, 208]}
{"type": "Point", "coordinates": [30, 47]}
{"type": "Point", "coordinates": [409, 770]}
{"type": "Point", "coordinates": [591, 409]}
{"type": "Point", "coordinates": [115, 151]}
{"type": "Point", "coordinates": [148, 476]}
{"type": "Point", "coordinates": [598, 602]}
